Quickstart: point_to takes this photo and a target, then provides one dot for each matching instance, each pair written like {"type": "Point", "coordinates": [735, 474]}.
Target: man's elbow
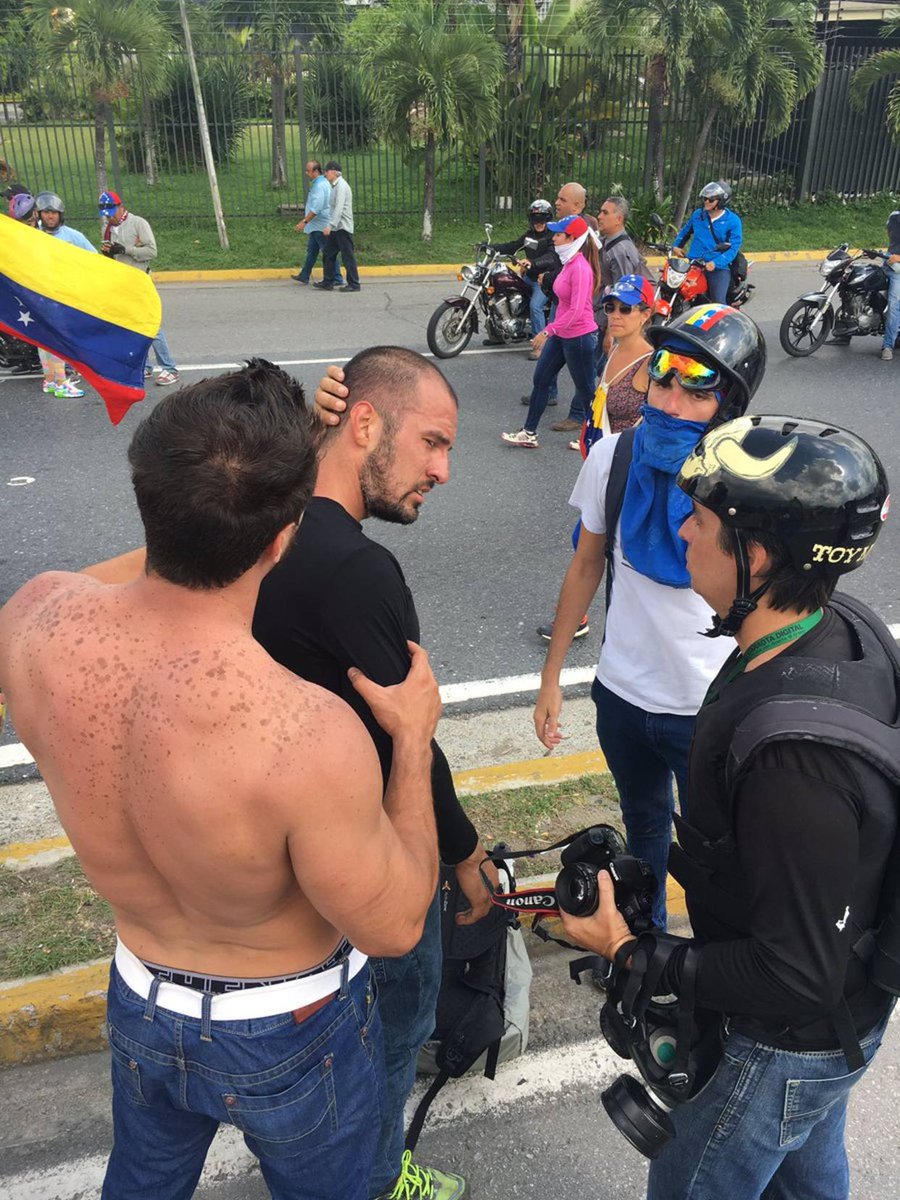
{"type": "Point", "coordinates": [394, 942]}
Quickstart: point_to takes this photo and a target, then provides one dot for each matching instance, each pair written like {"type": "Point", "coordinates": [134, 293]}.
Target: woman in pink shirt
{"type": "Point", "coordinates": [571, 336]}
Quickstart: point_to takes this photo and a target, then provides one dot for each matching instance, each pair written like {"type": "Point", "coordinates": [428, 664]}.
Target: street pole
{"type": "Point", "coordinates": [204, 130]}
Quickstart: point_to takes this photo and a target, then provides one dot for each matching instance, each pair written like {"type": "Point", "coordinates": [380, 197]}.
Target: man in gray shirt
{"type": "Point", "coordinates": [339, 232]}
{"type": "Point", "coordinates": [618, 256]}
{"type": "Point", "coordinates": [130, 239]}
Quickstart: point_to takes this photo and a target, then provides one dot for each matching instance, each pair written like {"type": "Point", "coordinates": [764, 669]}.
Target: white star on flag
{"type": "Point", "coordinates": [26, 319]}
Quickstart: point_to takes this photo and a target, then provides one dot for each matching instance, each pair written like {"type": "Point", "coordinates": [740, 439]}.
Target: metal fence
{"type": "Point", "coordinates": [563, 116]}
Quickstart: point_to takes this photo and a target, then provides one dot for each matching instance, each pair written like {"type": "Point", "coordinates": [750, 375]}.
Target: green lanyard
{"type": "Point", "coordinates": [778, 637]}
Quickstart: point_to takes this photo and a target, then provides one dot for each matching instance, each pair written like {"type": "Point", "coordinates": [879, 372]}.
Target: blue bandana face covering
{"type": "Point", "coordinates": [654, 506]}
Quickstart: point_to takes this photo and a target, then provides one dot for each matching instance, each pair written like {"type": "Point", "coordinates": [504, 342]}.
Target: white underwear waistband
{"type": "Point", "coordinates": [268, 1000]}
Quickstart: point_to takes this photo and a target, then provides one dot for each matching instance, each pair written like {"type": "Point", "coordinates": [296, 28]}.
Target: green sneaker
{"type": "Point", "coordinates": [424, 1183]}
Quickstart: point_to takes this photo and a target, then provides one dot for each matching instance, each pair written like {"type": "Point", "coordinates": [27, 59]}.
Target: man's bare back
{"type": "Point", "coordinates": [219, 803]}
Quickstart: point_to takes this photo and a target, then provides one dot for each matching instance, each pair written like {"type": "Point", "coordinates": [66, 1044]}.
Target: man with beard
{"type": "Point", "coordinates": [338, 600]}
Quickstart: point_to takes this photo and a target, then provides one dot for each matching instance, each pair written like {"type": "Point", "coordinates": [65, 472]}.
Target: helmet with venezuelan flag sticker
{"type": "Point", "coordinates": [726, 338]}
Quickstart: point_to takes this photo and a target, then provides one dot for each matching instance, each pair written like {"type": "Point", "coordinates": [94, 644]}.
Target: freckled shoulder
{"type": "Point", "coordinates": [27, 608]}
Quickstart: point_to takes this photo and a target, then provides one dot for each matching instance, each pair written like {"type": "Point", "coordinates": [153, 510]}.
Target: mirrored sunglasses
{"type": "Point", "coordinates": [693, 375]}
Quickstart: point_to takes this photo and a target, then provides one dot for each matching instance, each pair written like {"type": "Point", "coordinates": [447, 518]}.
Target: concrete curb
{"type": "Point", "coordinates": [63, 1013]}
{"type": "Point", "coordinates": [414, 270]}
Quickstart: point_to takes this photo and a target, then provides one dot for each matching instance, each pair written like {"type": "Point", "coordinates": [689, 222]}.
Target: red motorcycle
{"type": "Point", "coordinates": [491, 286]}
{"type": "Point", "coordinates": [682, 283]}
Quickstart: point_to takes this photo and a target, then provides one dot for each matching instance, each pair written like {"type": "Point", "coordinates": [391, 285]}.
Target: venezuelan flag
{"type": "Point", "coordinates": [97, 314]}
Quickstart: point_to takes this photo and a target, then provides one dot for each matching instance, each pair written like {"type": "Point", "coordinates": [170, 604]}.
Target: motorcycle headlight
{"type": "Point", "coordinates": [826, 266]}
{"type": "Point", "coordinates": [467, 274]}
{"type": "Point", "coordinates": [676, 278]}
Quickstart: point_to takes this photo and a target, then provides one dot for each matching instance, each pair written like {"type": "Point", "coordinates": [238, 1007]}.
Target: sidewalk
{"type": "Point", "coordinates": [420, 270]}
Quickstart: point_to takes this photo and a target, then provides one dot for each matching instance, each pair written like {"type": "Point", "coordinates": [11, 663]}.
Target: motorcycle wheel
{"type": "Point", "coordinates": [448, 335]}
{"type": "Point", "coordinates": [796, 335]}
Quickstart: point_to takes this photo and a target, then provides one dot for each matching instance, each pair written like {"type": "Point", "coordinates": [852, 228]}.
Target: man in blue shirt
{"type": "Point", "coordinates": [318, 212]}
{"type": "Point", "coordinates": [707, 227]}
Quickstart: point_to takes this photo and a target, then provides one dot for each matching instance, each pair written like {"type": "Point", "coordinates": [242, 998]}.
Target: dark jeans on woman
{"type": "Point", "coordinates": [339, 241]}
{"type": "Point", "coordinates": [577, 354]}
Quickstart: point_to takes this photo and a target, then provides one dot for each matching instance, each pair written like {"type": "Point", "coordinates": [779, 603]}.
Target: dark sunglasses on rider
{"type": "Point", "coordinates": [693, 375]}
{"type": "Point", "coordinates": [611, 306]}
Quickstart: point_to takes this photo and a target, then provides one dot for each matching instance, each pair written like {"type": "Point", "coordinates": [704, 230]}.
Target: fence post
{"type": "Point", "coordinates": [113, 148]}
{"type": "Point", "coordinates": [482, 186]}
{"type": "Point", "coordinates": [301, 110]}
{"type": "Point", "coordinates": [812, 136]}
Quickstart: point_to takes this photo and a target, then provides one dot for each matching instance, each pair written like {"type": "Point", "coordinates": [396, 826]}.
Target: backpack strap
{"type": "Point", "coordinates": [615, 494]}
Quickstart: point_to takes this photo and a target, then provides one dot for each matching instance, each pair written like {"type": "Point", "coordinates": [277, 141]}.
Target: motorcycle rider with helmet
{"type": "Point", "coordinates": [788, 854]}
{"type": "Point", "coordinates": [52, 216]}
{"type": "Point", "coordinates": [540, 259]}
{"type": "Point", "coordinates": [654, 667]}
{"type": "Point", "coordinates": [708, 226]}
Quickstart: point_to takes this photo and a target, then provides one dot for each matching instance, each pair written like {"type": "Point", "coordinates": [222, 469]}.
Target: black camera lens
{"type": "Point", "coordinates": [637, 1116]}
{"type": "Point", "coordinates": [576, 889]}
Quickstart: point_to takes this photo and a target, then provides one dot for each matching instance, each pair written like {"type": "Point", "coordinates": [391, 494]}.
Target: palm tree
{"type": "Point", "coordinates": [665, 30]}
{"type": "Point", "coordinates": [432, 71]}
{"type": "Point", "coordinates": [883, 65]}
{"type": "Point", "coordinates": [106, 39]}
{"type": "Point", "coordinates": [749, 52]}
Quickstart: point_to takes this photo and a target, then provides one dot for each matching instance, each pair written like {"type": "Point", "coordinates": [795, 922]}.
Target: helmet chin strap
{"type": "Point", "coordinates": [745, 601]}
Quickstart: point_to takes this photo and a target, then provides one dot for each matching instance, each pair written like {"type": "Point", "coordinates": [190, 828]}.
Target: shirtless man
{"type": "Point", "coordinates": [232, 814]}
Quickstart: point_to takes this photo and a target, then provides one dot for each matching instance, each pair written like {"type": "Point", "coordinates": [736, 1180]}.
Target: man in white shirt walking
{"type": "Point", "coordinates": [339, 233]}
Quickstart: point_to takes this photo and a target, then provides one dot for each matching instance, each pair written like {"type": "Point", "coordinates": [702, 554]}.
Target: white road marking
{"type": "Point", "coordinates": [300, 362]}
{"type": "Point", "coordinates": [20, 481]}
{"type": "Point", "coordinates": [509, 685]}
{"type": "Point", "coordinates": [532, 1078]}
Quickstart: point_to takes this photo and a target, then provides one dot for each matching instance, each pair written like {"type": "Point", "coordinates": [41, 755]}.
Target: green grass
{"type": "Point", "coordinates": [51, 917]}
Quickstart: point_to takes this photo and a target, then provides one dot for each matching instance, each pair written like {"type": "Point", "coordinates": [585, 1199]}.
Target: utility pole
{"type": "Point", "coordinates": [204, 130]}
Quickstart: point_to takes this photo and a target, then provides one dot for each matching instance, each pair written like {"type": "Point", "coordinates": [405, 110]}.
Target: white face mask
{"type": "Point", "coordinates": [568, 250]}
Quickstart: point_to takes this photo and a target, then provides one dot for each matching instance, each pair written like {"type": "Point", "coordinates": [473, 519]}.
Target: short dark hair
{"type": "Point", "coordinates": [219, 469]}
{"type": "Point", "coordinates": [332, 165]}
{"type": "Point", "coordinates": [387, 378]}
{"type": "Point", "coordinates": [789, 590]}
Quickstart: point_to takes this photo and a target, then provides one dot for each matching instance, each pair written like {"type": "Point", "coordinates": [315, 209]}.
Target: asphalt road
{"type": "Point", "coordinates": [486, 557]}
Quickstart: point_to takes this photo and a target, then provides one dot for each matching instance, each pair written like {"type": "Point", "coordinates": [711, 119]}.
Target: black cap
{"type": "Point", "coordinates": [332, 165]}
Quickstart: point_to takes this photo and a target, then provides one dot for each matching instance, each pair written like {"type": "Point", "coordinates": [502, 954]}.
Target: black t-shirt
{"type": "Point", "coordinates": [339, 600]}
{"type": "Point", "coordinates": [804, 842]}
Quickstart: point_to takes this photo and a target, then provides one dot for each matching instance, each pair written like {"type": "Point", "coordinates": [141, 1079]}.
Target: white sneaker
{"type": "Point", "coordinates": [68, 390]}
{"type": "Point", "coordinates": [522, 438]}
{"type": "Point", "coordinates": [166, 377]}
{"type": "Point", "coordinates": [887, 354]}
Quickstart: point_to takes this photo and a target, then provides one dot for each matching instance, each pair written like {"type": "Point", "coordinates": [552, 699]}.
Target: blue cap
{"type": "Point", "coordinates": [632, 289]}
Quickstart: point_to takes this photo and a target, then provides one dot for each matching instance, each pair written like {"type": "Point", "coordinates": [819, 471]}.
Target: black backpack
{"type": "Point", "coordinates": [470, 1016]}
{"type": "Point", "coordinates": [615, 494]}
{"type": "Point", "coordinates": [838, 723]}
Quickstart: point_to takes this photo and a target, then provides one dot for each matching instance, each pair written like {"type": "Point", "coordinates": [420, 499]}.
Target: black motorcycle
{"type": "Point", "coordinates": [492, 287]}
{"type": "Point", "coordinates": [852, 302]}
{"type": "Point", "coordinates": [18, 357]}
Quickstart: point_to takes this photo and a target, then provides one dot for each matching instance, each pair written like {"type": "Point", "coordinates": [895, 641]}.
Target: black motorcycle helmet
{"type": "Point", "coordinates": [719, 190]}
{"type": "Point", "coordinates": [820, 490]}
{"type": "Point", "coordinates": [540, 212]}
{"type": "Point", "coordinates": [726, 338]}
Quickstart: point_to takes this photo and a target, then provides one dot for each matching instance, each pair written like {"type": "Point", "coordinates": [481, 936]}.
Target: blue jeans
{"type": "Point", "coordinates": [163, 353]}
{"type": "Point", "coordinates": [577, 354]}
{"type": "Point", "coordinates": [304, 1096]}
{"type": "Point", "coordinates": [768, 1126]}
{"type": "Point", "coordinates": [407, 998]}
{"type": "Point", "coordinates": [537, 306]}
{"type": "Point", "coordinates": [717, 281]}
{"type": "Point", "coordinates": [644, 750]}
{"type": "Point", "coordinates": [315, 246]}
{"type": "Point", "coordinates": [892, 317]}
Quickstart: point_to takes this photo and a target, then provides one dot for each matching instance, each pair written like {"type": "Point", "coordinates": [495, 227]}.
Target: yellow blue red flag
{"type": "Point", "coordinates": [97, 314]}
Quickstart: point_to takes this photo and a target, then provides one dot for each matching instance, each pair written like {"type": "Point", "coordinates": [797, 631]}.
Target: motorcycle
{"type": "Point", "coordinates": [18, 357]}
{"type": "Point", "coordinates": [852, 302]}
{"type": "Point", "coordinates": [682, 283]}
{"type": "Point", "coordinates": [492, 287]}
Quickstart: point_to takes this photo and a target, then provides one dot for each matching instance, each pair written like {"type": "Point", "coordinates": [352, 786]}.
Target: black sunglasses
{"type": "Point", "coordinates": [611, 306]}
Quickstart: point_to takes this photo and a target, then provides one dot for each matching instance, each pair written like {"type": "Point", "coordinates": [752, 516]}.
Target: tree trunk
{"type": "Point", "coordinates": [656, 95]}
{"type": "Point", "coordinates": [149, 139]}
{"type": "Point", "coordinates": [428, 206]}
{"type": "Point", "coordinates": [279, 122]}
{"type": "Point", "coordinates": [100, 108]}
{"type": "Point", "coordinates": [515, 17]}
{"type": "Point", "coordinates": [694, 165]}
